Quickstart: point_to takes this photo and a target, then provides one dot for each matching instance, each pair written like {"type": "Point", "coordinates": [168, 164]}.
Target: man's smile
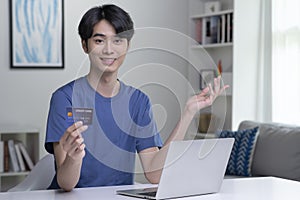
{"type": "Point", "coordinates": [108, 61]}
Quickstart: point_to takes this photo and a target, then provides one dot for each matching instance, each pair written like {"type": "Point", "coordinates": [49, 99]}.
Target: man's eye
{"type": "Point", "coordinates": [99, 41]}
{"type": "Point", "coordinates": [118, 41]}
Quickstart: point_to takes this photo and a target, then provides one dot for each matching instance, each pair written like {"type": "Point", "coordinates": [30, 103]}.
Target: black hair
{"type": "Point", "coordinates": [116, 16]}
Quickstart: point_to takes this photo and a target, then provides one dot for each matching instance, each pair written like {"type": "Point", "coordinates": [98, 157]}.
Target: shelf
{"type": "Point", "coordinates": [212, 14]}
{"type": "Point", "coordinates": [3, 174]}
{"type": "Point", "coordinates": [205, 136]}
{"type": "Point", "coordinates": [29, 137]}
{"type": "Point", "coordinates": [5, 129]}
{"type": "Point", "coordinates": [213, 33]}
{"type": "Point", "coordinates": [218, 45]}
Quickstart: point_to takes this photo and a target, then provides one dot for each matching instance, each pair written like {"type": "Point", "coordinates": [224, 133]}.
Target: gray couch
{"type": "Point", "coordinates": [276, 153]}
{"type": "Point", "coordinates": [277, 150]}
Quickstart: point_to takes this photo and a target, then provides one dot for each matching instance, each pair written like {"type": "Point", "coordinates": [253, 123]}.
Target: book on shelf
{"type": "Point", "coordinates": [203, 30]}
{"type": "Point", "coordinates": [20, 158]}
{"type": "Point", "coordinates": [1, 156]}
{"type": "Point", "coordinates": [26, 156]}
{"type": "Point", "coordinates": [219, 31]}
{"type": "Point", "coordinates": [223, 29]}
{"type": "Point", "coordinates": [214, 29]}
{"type": "Point", "coordinates": [6, 157]}
{"type": "Point", "coordinates": [14, 157]}
{"type": "Point", "coordinates": [198, 29]}
{"type": "Point", "coordinates": [231, 28]}
{"type": "Point", "coordinates": [208, 36]}
{"type": "Point", "coordinates": [228, 28]}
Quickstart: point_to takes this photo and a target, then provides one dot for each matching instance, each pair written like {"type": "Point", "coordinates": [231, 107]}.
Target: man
{"type": "Point", "coordinates": [103, 153]}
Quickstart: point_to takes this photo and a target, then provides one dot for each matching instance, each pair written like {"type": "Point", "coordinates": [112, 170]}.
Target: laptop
{"type": "Point", "coordinates": [192, 167]}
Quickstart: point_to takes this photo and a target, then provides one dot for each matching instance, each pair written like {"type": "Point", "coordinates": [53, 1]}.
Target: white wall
{"type": "Point", "coordinates": [25, 94]}
{"type": "Point", "coordinates": [246, 22]}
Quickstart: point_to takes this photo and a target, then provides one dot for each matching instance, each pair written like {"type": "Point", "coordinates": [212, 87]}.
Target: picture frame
{"type": "Point", "coordinates": [36, 34]}
{"type": "Point", "coordinates": [206, 76]}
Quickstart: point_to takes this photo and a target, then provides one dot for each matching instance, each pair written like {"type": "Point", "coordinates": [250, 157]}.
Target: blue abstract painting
{"type": "Point", "coordinates": [37, 33]}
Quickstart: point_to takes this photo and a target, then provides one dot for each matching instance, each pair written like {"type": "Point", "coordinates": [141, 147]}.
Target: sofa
{"type": "Point", "coordinates": [276, 151]}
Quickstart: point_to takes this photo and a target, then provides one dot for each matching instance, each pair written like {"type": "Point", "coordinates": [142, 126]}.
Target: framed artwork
{"type": "Point", "coordinates": [206, 76]}
{"type": "Point", "coordinates": [36, 34]}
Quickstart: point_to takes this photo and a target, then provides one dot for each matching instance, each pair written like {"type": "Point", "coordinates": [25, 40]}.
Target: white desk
{"type": "Point", "coordinates": [232, 189]}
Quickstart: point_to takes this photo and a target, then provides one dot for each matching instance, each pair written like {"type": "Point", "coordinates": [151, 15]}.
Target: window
{"type": "Point", "coordinates": [286, 61]}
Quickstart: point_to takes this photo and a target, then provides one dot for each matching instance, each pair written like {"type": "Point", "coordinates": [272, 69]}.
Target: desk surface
{"type": "Point", "coordinates": [232, 189]}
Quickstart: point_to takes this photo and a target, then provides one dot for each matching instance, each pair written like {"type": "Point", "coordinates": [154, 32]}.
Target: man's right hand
{"type": "Point", "coordinates": [69, 152]}
{"type": "Point", "coordinates": [72, 141]}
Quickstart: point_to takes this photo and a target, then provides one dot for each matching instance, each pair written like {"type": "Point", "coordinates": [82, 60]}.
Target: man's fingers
{"type": "Point", "coordinates": [70, 129]}
{"type": "Point", "coordinates": [76, 133]}
{"type": "Point", "coordinates": [71, 140]}
{"type": "Point", "coordinates": [75, 126]}
{"type": "Point", "coordinates": [76, 144]}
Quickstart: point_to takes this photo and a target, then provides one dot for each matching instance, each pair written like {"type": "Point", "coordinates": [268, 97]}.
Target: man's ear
{"type": "Point", "coordinates": [84, 46]}
{"type": "Point", "coordinates": [128, 46]}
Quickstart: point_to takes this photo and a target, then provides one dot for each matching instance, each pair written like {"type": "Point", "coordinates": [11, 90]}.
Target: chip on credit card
{"type": "Point", "coordinates": [80, 114]}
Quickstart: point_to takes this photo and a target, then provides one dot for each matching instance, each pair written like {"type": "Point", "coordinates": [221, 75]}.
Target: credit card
{"type": "Point", "coordinates": [80, 114]}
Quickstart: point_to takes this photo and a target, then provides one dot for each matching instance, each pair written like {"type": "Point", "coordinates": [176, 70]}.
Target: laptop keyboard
{"type": "Point", "coordinates": [151, 194]}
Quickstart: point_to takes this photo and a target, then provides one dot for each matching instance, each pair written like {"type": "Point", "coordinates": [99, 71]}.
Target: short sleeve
{"type": "Point", "coordinates": [56, 123]}
{"type": "Point", "coordinates": [147, 135]}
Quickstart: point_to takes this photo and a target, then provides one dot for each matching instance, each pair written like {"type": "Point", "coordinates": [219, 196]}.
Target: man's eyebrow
{"type": "Point", "coordinates": [99, 35]}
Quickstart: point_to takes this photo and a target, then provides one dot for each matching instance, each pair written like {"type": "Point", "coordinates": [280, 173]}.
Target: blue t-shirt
{"type": "Point", "coordinates": [122, 125]}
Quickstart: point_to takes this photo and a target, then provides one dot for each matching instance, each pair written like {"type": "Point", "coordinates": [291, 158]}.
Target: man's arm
{"type": "Point", "coordinates": [69, 152]}
{"type": "Point", "coordinates": [153, 159]}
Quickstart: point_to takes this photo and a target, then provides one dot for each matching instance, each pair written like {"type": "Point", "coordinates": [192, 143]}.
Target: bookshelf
{"type": "Point", "coordinates": [214, 28]}
{"type": "Point", "coordinates": [30, 138]}
{"type": "Point", "coordinates": [212, 32]}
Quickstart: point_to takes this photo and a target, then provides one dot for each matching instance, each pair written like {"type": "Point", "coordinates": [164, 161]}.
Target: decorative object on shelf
{"type": "Point", "coordinates": [206, 76]}
{"type": "Point", "coordinates": [219, 68]}
{"type": "Point", "coordinates": [204, 122]}
{"type": "Point", "coordinates": [36, 34]}
{"type": "Point", "coordinates": [212, 6]}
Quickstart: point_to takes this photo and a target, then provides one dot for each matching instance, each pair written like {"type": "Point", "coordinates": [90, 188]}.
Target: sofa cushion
{"type": "Point", "coordinates": [277, 151]}
{"type": "Point", "coordinates": [240, 160]}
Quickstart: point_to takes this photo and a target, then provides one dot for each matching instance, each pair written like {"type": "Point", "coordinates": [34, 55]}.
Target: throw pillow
{"type": "Point", "coordinates": [240, 160]}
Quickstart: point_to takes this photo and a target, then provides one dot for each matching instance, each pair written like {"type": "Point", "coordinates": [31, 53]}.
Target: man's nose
{"type": "Point", "coordinates": [107, 47]}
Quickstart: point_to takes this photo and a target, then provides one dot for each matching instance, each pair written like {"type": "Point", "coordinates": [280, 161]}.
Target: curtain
{"type": "Point", "coordinates": [286, 61]}
{"type": "Point", "coordinates": [252, 62]}
{"type": "Point", "coordinates": [264, 66]}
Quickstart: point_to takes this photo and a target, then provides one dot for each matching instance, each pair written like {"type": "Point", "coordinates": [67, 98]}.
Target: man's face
{"type": "Point", "coordinates": [106, 50]}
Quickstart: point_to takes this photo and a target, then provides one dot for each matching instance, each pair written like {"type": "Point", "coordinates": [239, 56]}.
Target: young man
{"type": "Point", "coordinates": [103, 153]}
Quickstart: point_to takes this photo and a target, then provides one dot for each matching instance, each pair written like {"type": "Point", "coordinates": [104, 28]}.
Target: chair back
{"type": "Point", "coordinates": [40, 177]}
